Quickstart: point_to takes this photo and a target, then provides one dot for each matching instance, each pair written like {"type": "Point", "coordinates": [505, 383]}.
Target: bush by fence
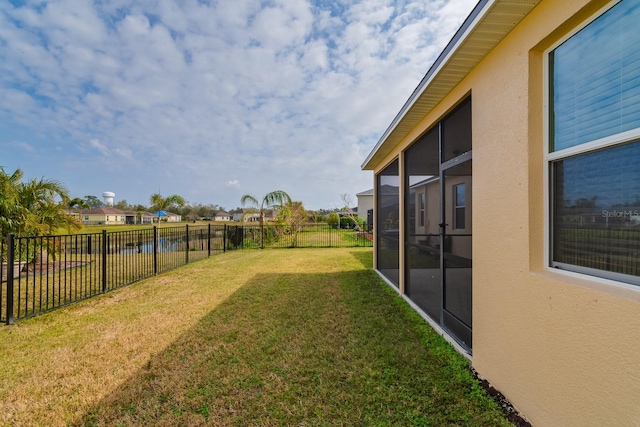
{"type": "Point", "coordinates": [38, 274]}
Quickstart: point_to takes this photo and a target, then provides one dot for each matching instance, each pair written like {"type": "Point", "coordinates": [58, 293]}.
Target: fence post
{"type": "Point", "coordinates": [104, 261]}
{"type": "Point", "coordinates": [10, 261]}
{"type": "Point", "coordinates": [186, 256]}
{"type": "Point", "coordinates": [155, 250]}
{"type": "Point", "coordinates": [209, 240]}
{"type": "Point", "coordinates": [224, 239]}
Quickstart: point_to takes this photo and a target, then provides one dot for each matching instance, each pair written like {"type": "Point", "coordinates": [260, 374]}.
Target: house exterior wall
{"type": "Point", "coordinates": [563, 348]}
{"type": "Point", "coordinates": [365, 202]}
{"type": "Point", "coordinates": [241, 217]}
{"type": "Point", "coordinates": [146, 219]}
{"type": "Point", "coordinates": [417, 212]}
{"type": "Point", "coordinates": [106, 219]}
{"type": "Point", "coordinates": [432, 193]}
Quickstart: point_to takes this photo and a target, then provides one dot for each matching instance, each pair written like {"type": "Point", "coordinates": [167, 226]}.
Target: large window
{"type": "Point", "coordinates": [594, 147]}
{"type": "Point", "coordinates": [459, 207]}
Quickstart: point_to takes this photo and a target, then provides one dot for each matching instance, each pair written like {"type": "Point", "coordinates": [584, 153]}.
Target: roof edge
{"type": "Point", "coordinates": [469, 23]}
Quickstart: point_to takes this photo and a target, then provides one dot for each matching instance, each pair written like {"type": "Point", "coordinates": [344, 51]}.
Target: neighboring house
{"type": "Point", "coordinates": [505, 204]}
{"type": "Point", "coordinates": [74, 213]}
{"type": "Point", "coordinates": [269, 215]}
{"type": "Point", "coordinates": [103, 215]}
{"type": "Point", "coordinates": [246, 217]}
{"type": "Point", "coordinates": [146, 217]}
{"type": "Point", "coordinates": [222, 216]}
{"type": "Point", "coordinates": [133, 217]}
{"type": "Point", "coordinates": [365, 203]}
{"type": "Point", "coordinates": [171, 217]}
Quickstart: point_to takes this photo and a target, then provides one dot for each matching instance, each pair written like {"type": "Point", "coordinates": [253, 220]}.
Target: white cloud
{"type": "Point", "coordinates": [94, 143]}
{"type": "Point", "coordinates": [289, 96]}
{"type": "Point", "coordinates": [25, 146]}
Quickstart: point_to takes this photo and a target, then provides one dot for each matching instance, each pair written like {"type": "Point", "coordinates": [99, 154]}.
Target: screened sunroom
{"type": "Point", "coordinates": [507, 204]}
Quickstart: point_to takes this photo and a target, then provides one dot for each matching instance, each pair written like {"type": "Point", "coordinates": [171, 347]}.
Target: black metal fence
{"type": "Point", "coordinates": [39, 274]}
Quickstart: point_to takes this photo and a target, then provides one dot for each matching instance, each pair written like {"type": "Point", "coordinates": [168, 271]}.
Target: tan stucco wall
{"type": "Point", "coordinates": [564, 350]}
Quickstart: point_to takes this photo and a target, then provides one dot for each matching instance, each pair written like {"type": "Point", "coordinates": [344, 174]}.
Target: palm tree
{"type": "Point", "coordinates": [9, 211]}
{"type": "Point", "coordinates": [30, 208]}
{"type": "Point", "coordinates": [159, 203]}
{"type": "Point", "coordinates": [271, 200]}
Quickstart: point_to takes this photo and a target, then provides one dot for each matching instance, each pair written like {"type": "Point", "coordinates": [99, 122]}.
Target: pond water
{"type": "Point", "coordinates": [164, 245]}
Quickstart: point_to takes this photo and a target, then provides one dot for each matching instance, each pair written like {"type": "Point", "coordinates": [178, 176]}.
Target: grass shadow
{"type": "Point", "coordinates": [334, 348]}
{"type": "Point", "coordinates": [365, 258]}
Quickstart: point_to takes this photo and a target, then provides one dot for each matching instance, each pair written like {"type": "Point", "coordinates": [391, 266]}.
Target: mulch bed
{"type": "Point", "coordinates": [49, 267]}
{"type": "Point", "coordinates": [33, 268]}
{"type": "Point", "coordinates": [507, 408]}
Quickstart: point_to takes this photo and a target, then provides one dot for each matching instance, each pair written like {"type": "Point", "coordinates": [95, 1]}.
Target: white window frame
{"type": "Point", "coordinates": [422, 206]}
{"type": "Point", "coordinates": [549, 157]}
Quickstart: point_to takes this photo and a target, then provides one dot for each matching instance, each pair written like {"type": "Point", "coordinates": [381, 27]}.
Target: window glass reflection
{"type": "Point", "coordinates": [597, 210]}
{"type": "Point", "coordinates": [596, 79]}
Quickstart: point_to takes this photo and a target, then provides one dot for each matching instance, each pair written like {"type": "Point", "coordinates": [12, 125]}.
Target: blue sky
{"type": "Point", "coordinates": [210, 100]}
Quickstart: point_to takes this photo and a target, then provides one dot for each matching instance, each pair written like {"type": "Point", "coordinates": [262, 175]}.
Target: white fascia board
{"type": "Point", "coordinates": [472, 21]}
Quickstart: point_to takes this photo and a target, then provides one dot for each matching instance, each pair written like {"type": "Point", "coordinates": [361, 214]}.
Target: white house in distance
{"type": "Point", "coordinates": [222, 216]}
{"type": "Point", "coordinates": [245, 216]}
{"type": "Point", "coordinates": [133, 217]}
{"type": "Point", "coordinates": [365, 203]}
{"type": "Point", "coordinates": [172, 217]}
{"type": "Point", "coordinates": [103, 215]}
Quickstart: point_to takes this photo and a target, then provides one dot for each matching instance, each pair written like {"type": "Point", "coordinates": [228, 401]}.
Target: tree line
{"type": "Point", "coordinates": [38, 207]}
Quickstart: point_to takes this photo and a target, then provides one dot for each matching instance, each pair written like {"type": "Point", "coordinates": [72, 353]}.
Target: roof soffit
{"type": "Point", "coordinates": [485, 27]}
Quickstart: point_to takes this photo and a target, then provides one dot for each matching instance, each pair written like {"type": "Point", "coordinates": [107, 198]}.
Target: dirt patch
{"type": "Point", "coordinates": [49, 267]}
{"type": "Point", "coordinates": [22, 269]}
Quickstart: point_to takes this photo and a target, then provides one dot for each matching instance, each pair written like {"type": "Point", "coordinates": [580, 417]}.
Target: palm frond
{"type": "Point", "coordinates": [276, 199]}
{"type": "Point", "coordinates": [250, 200]}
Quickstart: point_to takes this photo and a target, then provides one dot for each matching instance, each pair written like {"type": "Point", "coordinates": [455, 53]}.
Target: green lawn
{"type": "Point", "coordinates": [272, 337]}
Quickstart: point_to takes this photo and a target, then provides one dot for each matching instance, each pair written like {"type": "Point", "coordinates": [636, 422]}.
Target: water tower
{"type": "Point", "coordinates": [108, 198]}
